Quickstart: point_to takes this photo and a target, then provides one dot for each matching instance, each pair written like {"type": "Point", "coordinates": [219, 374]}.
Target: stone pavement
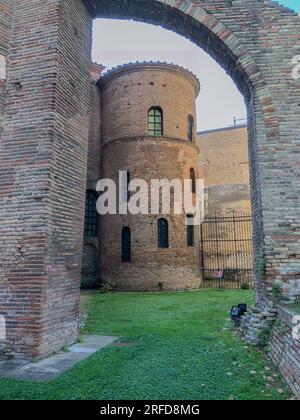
{"type": "Point", "coordinates": [48, 369]}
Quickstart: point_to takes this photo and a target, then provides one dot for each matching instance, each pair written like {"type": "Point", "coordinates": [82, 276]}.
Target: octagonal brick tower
{"type": "Point", "coordinates": [148, 131]}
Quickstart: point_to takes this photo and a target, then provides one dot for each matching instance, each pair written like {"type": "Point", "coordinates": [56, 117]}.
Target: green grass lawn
{"type": "Point", "coordinates": [180, 348]}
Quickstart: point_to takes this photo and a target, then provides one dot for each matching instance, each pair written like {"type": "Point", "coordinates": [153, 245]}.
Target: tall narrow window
{"type": "Point", "coordinates": [128, 191]}
{"type": "Point", "coordinates": [125, 186]}
{"type": "Point", "coordinates": [190, 231]}
{"type": "Point", "coordinates": [91, 215]}
{"type": "Point", "coordinates": [155, 122]}
{"type": "Point", "coordinates": [126, 245]}
{"type": "Point", "coordinates": [191, 128]}
{"type": "Point", "coordinates": [193, 180]}
{"type": "Point", "coordinates": [163, 233]}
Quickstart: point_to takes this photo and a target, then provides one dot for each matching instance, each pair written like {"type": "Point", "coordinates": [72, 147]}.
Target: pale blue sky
{"type": "Point", "coordinates": [118, 42]}
{"type": "Point", "coordinates": [293, 4]}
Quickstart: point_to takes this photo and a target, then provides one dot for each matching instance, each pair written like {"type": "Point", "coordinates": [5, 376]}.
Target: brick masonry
{"type": "Point", "coordinates": [278, 329]}
{"type": "Point", "coordinates": [136, 88]}
{"type": "Point", "coordinates": [284, 348]}
{"type": "Point", "coordinates": [90, 275]}
{"type": "Point", "coordinates": [5, 29]}
{"type": "Point", "coordinates": [234, 33]}
{"type": "Point", "coordinates": [224, 166]}
{"type": "Point", "coordinates": [44, 142]}
{"type": "Point", "coordinates": [43, 161]}
{"type": "Point", "coordinates": [127, 94]}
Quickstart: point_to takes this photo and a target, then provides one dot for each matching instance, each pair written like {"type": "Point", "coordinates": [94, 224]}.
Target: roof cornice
{"type": "Point", "coordinates": [151, 65]}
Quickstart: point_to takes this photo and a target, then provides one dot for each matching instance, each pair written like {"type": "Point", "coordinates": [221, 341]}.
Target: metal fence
{"type": "Point", "coordinates": [227, 251]}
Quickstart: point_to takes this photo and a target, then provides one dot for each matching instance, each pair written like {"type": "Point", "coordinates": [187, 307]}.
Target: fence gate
{"type": "Point", "coordinates": [227, 249]}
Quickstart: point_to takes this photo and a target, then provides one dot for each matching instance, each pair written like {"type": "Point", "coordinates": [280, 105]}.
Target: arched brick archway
{"type": "Point", "coordinates": [191, 20]}
{"type": "Point", "coordinates": [43, 150]}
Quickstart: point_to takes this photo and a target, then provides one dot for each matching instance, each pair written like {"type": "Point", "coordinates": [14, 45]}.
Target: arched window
{"type": "Point", "coordinates": [163, 233]}
{"type": "Point", "coordinates": [125, 196]}
{"type": "Point", "coordinates": [128, 183]}
{"type": "Point", "coordinates": [155, 122]}
{"type": "Point", "coordinates": [91, 215]}
{"type": "Point", "coordinates": [191, 128]}
{"type": "Point", "coordinates": [190, 231]}
{"type": "Point", "coordinates": [193, 180]}
{"type": "Point", "coordinates": [126, 245]}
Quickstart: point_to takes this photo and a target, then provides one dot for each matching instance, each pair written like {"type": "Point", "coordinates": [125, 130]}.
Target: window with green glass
{"type": "Point", "coordinates": [155, 122]}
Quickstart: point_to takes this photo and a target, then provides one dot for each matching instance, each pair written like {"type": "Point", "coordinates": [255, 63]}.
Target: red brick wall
{"type": "Point", "coordinates": [90, 275]}
{"type": "Point", "coordinates": [43, 163]}
{"type": "Point", "coordinates": [177, 267]}
{"type": "Point", "coordinates": [94, 146]}
{"type": "Point", "coordinates": [127, 95]}
{"type": "Point", "coordinates": [5, 29]}
{"type": "Point", "coordinates": [136, 88]}
{"type": "Point", "coordinates": [44, 145]}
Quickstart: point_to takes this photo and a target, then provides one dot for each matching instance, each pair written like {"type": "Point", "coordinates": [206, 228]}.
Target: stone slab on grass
{"type": "Point", "coordinates": [49, 368]}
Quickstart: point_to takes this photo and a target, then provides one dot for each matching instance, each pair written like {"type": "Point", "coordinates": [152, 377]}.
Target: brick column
{"type": "Point", "coordinates": [5, 29]}
{"type": "Point", "coordinates": [257, 135]}
{"type": "Point", "coordinates": [43, 157]}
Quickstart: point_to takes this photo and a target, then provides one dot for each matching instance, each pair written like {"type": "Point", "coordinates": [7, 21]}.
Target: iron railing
{"type": "Point", "coordinates": [227, 251]}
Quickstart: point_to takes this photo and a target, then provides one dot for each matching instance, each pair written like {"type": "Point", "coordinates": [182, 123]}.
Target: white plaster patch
{"type": "Point", "coordinates": [296, 328]}
{"type": "Point", "coordinates": [2, 67]}
{"type": "Point", "coordinates": [2, 328]}
{"type": "Point", "coordinates": [296, 69]}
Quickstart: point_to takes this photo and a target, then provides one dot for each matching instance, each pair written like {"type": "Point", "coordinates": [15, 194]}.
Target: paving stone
{"type": "Point", "coordinates": [51, 367]}
{"type": "Point", "coordinates": [12, 365]}
{"type": "Point", "coordinates": [92, 344]}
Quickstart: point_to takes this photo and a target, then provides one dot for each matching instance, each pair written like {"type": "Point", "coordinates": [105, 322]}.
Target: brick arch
{"type": "Point", "coordinates": [191, 20]}
{"type": "Point", "coordinates": [204, 24]}
{"type": "Point", "coordinates": [43, 144]}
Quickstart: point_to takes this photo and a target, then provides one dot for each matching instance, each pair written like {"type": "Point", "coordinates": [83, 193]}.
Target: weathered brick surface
{"type": "Point", "coordinates": [224, 166]}
{"type": "Point", "coordinates": [5, 30]}
{"type": "Point", "coordinates": [177, 267]}
{"type": "Point", "coordinates": [43, 160]}
{"type": "Point", "coordinates": [130, 91]}
{"type": "Point", "coordinates": [285, 350]}
{"type": "Point", "coordinates": [127, 95]}
{"type": "Point", "coordinates": [44, 144]}
{"type": "Point", "coordinates": [94, 143]}
{"type": "Point", "coordinates": [90, 275]}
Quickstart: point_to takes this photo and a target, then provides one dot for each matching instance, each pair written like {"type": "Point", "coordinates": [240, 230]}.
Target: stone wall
{"type": "Point", "coordinates": [285, 348]}
{"type": "Point", "coordinates": [224, 166]}
{"type": "Point", "coordinates": [278, 330]}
